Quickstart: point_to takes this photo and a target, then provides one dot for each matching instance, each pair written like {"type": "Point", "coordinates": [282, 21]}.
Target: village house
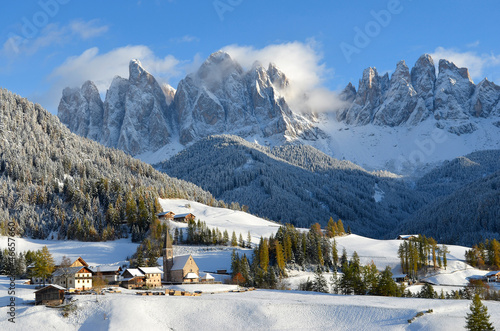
{"type": "Point", "coordinates": [51, 295]}
{"type": "Point", "coordinates": [166, 216]}
{"type": "Point", "coordinates": [152, 276]}
{"type": "Point", "coordinates": [208, 278]}
{"type": "Point", "coordinates": [111, 274]}
{"type": "Point", "coordinates": [493, 276]}
{"type": "Point", "coordinates": [179, 269]}
{"type": "Point", "coordinates": [133, 278]}
{"type": "Point", "coordinates": [408, 236]}
{"type": "Point", "coordinates": [184, 218]}
{"type": "Point", "coordinates": [77, 276]}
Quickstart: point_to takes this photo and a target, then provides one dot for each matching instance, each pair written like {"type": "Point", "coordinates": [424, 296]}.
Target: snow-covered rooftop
{"type": "Point", "coordinates": [180, 262]}
{"type": "Point", "coordinates": [191, 275]}
{"type": "Point", "coordinates": [134, 272]}
{"type": "Point", "coordinates": [150, 270]}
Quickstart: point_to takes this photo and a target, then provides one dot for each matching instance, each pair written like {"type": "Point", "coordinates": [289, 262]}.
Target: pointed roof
{"type": "Point", "coordinates": [180, 262]}
{"type": "Point", "coordinates": [168, 240]}
{"type": "Point", "coordinates": [79, 262]}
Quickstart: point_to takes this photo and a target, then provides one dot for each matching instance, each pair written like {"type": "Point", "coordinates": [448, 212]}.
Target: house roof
{"type": "Point", "coordinates": [69, 271]}
{"type": "Point", "coordinates": [82, 261]}
{"type": "Point", "coordinates": [208, 276]}
{"type": "Point", "coordinates": [408, 236]}
{"type": "Point", "coordinates": [51, 285]}
{"type": "Point", "coordinates": [182, 215]}
{"type": "Point", "coordinates": [134, 272]}
{"type": "Point", "coordinates": [493, 273]}
{"type": "Point", "coordinates": [191, 275]}
{"type": "Point", "coordinates": [165, 213]}
{"type": "Point", "coordinates": [150, 270]}
{"type": "Point", "coordinates": [180, 262]}
{"type": "Point", "coordinates": [106, 268]}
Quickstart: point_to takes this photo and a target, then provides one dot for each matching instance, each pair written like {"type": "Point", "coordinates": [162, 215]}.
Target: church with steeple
{"type": "Point", "coordinates": [179, 269]}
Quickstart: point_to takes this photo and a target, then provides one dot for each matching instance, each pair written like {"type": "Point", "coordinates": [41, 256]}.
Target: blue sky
{"type": "Point", "coordinates": [49, 44]}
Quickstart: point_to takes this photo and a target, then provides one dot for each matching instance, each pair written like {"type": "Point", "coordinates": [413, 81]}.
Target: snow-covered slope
{"type": "Point", "coordinates": [223, 219]}
{"type": "Point", "coordinates": [258, 310]}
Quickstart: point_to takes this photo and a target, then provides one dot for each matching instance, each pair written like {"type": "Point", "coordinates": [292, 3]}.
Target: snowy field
{"type": "Point", "coordinates": [224, 219]}
{"type": "Point", "coordinates": [257, 310]}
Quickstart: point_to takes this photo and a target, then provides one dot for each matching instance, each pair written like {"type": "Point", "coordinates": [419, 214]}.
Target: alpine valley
{"type": "Point", "coordinates": [390, 156]}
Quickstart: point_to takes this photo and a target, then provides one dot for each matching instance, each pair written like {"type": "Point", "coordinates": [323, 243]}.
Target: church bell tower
{"type": "Point", "coordinates": [168, 258]}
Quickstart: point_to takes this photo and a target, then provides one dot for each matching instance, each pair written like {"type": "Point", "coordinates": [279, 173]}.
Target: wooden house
{"type": "Point", "coordinates": [152, 275]}
{"type": "Point", "coordinates": [79, 262]}
{"type": "Point", "coordinates": [166, 216]}
{"type": "Point", "coordinates": [111, 274]}
{"type": "Point", "coordinates": [493, 276]}
{"type": "Point", "coordinates": [400, 278]}
{"type": "Point", "coordinates": [51, 295]}
{"type": "Point", "coordinates": [184, 218]}
{"type": "Point", "coordinates": [408, 236]}
{"type": "Point", "coordinates": [133, 278]}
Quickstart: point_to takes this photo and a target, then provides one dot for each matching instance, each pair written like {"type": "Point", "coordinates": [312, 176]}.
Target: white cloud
{"type": "Point", "coordinates": [51, 35]}
{"type": "Point", "coordinates": [302, 64]}
{"type": "Point", "coordinates": [477, 64]}
{"type": "Point", "coordinates": [89, 29]}
{"type": "Point", "coordinates": [185, 39]}
{"type": "Point", "coordinates": [102, 68]}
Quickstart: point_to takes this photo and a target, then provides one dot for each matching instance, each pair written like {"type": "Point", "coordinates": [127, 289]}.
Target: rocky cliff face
{"type": "Point", "coordinates": [409, 98]}
{"type": "Point", "coordinates": [134, 116]}
{"type": "Point", "coordinates": [139, 115]}
{"type": "Point", "coordinates": [222, 98]}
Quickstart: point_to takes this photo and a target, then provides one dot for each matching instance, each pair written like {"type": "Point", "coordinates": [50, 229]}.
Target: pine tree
{"type": "Point", "coordinates": [319, 284]}
{"type": "Point", "coordinates": [264, 254]}
{"type": "Point", "coordinates": [280, 260]}
{"type": "Point", "coordinates": [249, 240]}
{"type": "Point", "coordinates": [234, 240]}
{"type": "Point", "coordinates": [478, 319]}
{"type": "Point", "coordinates": [241, 243]}
{"type": "Point", "coordinates": [335, 255]}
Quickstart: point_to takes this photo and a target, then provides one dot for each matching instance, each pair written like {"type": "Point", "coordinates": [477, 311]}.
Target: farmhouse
{"type": "Point", "coordinates": [133, 278]}
{"type": "Point", "coordinates": [208, 278]}
{"type": "Point", "coordinates": [408, 236]}
{"type": "Point", "coordinates": [493, 276]}
{"type": "Point", "coordinates": [166, 216]}
{"type": "Point", "coordinates": [152, 276]}
{"type": "Point", "coordinates": [51, 295]}
{"type": "Point", "coordinates": [179, 269]}
{"type": "Point", "coordinates": [185, 218]}
{"type": "Point", "coordinates": [111, 274]}
{"type": "Point", "coordinates": [78, 275]}
{"type": "Point", "coordinates": [79, 278]}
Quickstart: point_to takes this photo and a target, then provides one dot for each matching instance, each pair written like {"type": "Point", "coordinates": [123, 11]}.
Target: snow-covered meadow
{"type": "Point", "coordinates": [257, 310]}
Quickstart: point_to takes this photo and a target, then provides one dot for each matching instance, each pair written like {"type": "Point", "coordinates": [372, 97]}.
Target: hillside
{"type": "Point", "coordinates": [468, 215]}
{"type": "Point", "coordinates": [53, 182]}
{"type": "Point", "coordinates": [295, 192]}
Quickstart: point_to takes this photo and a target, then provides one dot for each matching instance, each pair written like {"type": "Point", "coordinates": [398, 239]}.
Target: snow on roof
{"type": "Point", "coordinates": [180, 262]}
{"type": "Point", "coordinates": [105, 268]}
{"type": "Point", "coordinates": [191, 275]}
{"type": "Point", "coordinates": [492, 273]}
{"type": "Point", "coordinates": [182, 215]}
{"type": "Point", "coordinates": [150, 270]}
{"type": "Point", "coordinates": [208, 276]}
{"type": "Point", "coordinates": [165, 213]}
{"type": "Point", "coordinates": [408, 236]}
{"type": "Point", "coordinates": [134, 272]}
{"type": "Point", "coordinates": [69, 271]}
{"type": "Point", "coordinates": [51, 285]}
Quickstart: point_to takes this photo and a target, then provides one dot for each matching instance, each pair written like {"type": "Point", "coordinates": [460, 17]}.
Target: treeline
{"type": "Point", "coordinates": [197, 233]}
{"type": "Point", "coordinates": [419, 252]}
{"type": "Point", "coordinates": [41, 263]}
{"type": "Point", "coordinates": [289, 248]}
{"type": "Point", "coordinates": [53, 181]}
{"type": "Point", "coordinates": [485, 255]}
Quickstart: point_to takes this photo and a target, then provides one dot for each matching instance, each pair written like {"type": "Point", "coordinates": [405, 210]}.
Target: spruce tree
{"type": "Point", "coordinates": [319, 284]}
{"type": "Point", "coordinates": [478, 319]}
